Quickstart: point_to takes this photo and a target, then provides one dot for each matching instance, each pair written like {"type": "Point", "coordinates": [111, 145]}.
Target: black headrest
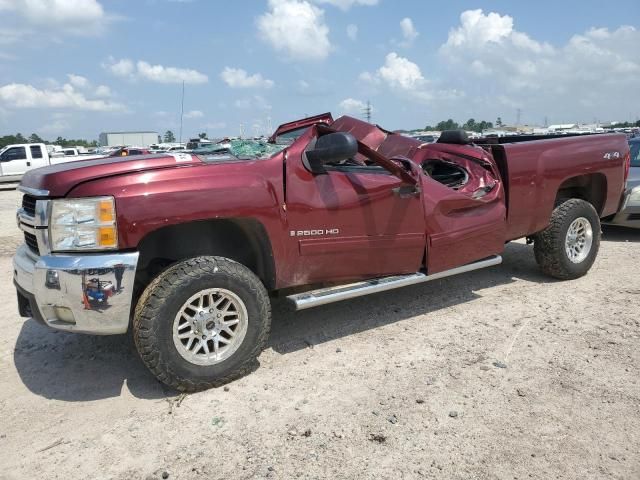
{"type": "Point", "coordinates": [458, 137]}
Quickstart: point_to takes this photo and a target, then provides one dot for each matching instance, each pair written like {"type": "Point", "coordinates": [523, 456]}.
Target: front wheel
{"type": "Point", "coordinates": [202, 323]}
{"type": "Point", "coordinates": [567, 248]}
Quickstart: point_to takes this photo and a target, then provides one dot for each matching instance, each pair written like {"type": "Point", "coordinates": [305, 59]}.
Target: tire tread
{"type": "Point", "coordinates": [153, 299]}
{"type": "Point", "coordinates": [549, 243]}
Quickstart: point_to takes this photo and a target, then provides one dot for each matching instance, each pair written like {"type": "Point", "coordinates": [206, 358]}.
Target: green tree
{"type": "Point", "coordinates": [169, 137]}
{"type": "Point", "coordinates": [202, 135]}
{"type": "Point", "coordinates": [35, 138]}
{"type": "Point", "coordinates": [470, 125]}
{"type": "Point", "coordinates": [483, 125]}
{"type": "Point", "coordinates": [447, 125]}
{"type": "Point", "coordinates": [499, 122]}
{"type": "Point", "coordinates": [8, 140]}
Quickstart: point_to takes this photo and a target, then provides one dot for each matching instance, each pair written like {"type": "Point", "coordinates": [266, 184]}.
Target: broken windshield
{"type": "Point", "coordinates": [238, 150]}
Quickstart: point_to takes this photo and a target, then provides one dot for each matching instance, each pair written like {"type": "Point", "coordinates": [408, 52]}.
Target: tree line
{"type": "Point", "coordinates": [470, 125]}
{"type": "Point", "coordinates": [35, 138]}
{"type": "Point", "coordinates": [169, 136]}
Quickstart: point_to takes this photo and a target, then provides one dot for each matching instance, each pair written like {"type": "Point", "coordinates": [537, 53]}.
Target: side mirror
{"type": "Point", "coordinates": [330, 148]}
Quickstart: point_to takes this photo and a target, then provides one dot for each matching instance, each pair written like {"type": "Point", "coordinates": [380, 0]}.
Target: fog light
{"type": "Point", "coordinates": [64, 314]}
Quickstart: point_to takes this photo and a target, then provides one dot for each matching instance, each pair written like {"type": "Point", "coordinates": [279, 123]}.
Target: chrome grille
{"type": "Point", "coordinates": [29, 205]}
{"type": "Point", "coordinates": [32, 243]}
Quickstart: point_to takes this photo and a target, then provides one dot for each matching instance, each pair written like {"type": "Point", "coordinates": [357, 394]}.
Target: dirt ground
{"type": "Point", "coordinates": [497, 374]}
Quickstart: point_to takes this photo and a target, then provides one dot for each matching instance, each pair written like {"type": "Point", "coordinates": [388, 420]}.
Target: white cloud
{"type": "Point", "coordinates": [368, 77]}
{"type": "Point", "coordinates": [19, 95]}
{"type": "Point", "coordinates": [352, 105]}
{"type": "Point", "coordinates": [477, 29]}
{"type": "Point", "coordinates": [295, 28]}
{"type": "Point", "coordinates": [102, 91]}
{"type": "Point", "coordinates": [82, 83]}
{"type": "Point", "coordinates": [239, 78]}
{"type": "Point", "coordinates": [593, 74]}
{"type": "Point", "coordinates": [401, 73]}
{"type": "Point", "coordinates": [54, 127]}
{"type": "Point", "coordinates": [78, 80]}
{"type": "Point", "coordinates": [78, 17]}
{"type": "Point", "coordinates": [409, 32]}
{"type": "Point", "coordinates": [352, 31]}
{"type": "Point", "coordinates": [194, 114]}
{"type": "Point", "coordinates": [406, 79]}
{"type": "Point", "coordinates": [347, 4]}
{"type": "Point", "coordinates": [256, 102]}
{"type": "Point", "coordinates": [120, 68]}
{"type": "Point", "coordinates": [162, 74]}
{"type": "Point", "coordinates": [155, 73]}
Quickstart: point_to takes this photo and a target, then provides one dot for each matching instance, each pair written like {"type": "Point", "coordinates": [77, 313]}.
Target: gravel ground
{"type": "Point", "coordinates": [497, 374]}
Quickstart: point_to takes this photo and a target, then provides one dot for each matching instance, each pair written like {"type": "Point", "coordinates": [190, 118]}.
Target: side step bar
{"type": "Point", "coordinates": [323, 296]}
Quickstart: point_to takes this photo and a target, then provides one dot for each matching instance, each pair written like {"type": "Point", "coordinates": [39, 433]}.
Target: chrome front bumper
{"type": "Point", "coordinates": [77, 293]}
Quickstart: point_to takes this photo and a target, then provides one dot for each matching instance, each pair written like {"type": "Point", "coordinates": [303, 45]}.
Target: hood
{"type": "Point", "coordinates": [59, 179]}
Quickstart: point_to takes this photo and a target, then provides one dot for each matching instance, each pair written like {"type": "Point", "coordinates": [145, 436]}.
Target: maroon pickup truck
{"type": "Point", "coordinates": [187, 248]}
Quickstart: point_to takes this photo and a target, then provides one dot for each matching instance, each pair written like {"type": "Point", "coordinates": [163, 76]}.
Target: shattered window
{"type": "Point", "coordinates": [238, 150]}
{"type": "Point", "coordinates": [291, 136]}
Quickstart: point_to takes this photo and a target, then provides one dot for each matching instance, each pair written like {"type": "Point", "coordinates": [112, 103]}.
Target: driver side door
{"type": "Point", "coordinates": [14, 162]}
{"type": "Point", "coordinates": [352, 222]}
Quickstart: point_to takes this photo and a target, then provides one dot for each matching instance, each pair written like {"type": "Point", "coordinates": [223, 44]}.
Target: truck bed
{"type": "Point", "coordinates": [538, 170]}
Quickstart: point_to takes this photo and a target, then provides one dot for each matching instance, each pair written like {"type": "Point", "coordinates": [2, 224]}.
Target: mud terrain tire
{"type": "Point", "coordinates": [164, 299]}
{"type": "Point", "coordinates": [553, 245]}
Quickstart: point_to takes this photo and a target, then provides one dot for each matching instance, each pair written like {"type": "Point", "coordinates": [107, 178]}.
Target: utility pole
{"type": "Point", "coordinates": [181, 111]}
{"type": "Point", "coordinates": [367, 111]}
{"type": "Point", "coordinates": [241, 130]}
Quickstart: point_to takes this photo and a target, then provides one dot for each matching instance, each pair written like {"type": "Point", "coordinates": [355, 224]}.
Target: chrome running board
{"type": "Point", "coordinates": [323, 296]}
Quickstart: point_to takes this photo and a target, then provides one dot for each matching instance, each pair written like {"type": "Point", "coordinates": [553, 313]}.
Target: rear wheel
{"type": "Point", "coordinates": [567, 248]}
{"type": "Point", "coordinates": [202, 323]}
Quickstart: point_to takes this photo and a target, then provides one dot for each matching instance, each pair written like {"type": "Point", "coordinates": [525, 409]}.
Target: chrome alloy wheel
{"type": "Point", "coordinates": [210, 326]}
{"type": "Point", "coordinates": [579, 239]}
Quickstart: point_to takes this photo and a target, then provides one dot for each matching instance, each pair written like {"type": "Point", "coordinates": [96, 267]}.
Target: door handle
{"type": "Point", "coordinates": [406, 191]}
{"type": "Point", "coordinates": [28, 164]}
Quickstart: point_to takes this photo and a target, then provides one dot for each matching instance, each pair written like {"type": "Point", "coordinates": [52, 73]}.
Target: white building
{"type": "Point", "coordinates": [137, 139]}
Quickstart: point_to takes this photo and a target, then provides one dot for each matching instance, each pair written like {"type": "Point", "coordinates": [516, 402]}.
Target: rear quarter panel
{"type": "Point", "coordinates": [537, 169]}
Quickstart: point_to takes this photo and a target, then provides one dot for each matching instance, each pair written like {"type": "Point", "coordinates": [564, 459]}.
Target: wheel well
{"type": "Point", "coordinates": [591, 188]}
{"type": "Point", "coordinates": [243, 240]}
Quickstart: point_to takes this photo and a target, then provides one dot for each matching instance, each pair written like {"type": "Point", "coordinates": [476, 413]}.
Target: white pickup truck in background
{"type": "Point", "coordinates": [16, 160]}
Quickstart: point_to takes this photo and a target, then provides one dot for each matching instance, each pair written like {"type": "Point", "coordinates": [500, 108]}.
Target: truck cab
{"type": "Point", "coordinates": [15, 160]}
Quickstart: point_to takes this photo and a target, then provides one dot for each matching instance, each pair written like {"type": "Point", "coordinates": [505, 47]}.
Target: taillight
{"type": "Point", "coordinates": [627, 165]}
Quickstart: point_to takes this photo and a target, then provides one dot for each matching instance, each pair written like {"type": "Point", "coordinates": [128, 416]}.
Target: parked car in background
{"type": "Point", "coordinates": [129, 152]}
{"type": "Point", "coordinates": [16, 160]}
{"type": "Point", "coordinates": [426, 138]}
{"type": "Point", "coordinates": [629, 214]}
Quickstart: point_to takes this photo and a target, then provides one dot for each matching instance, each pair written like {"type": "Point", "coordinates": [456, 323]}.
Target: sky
{"type": "Point", "coordinates": [75, 68]}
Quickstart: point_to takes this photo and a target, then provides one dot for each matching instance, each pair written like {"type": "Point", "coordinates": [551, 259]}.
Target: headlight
{"type": "Point", "coordinates": [83, 224]}
{"type": "Point", "coordinates": [634, 197]}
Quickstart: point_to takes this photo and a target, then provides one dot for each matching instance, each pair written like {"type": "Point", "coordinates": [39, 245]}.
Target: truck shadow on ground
{"type": "Point", "coordinates": [613, 233]}
{"type": "Point", "coordinates": [76, 368]}
{"type": "Point", "coordinates": [292, 331]}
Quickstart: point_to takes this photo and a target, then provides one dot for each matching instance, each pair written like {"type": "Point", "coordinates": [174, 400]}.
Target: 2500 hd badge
{"type": "Point", "coordinates": [314, 233]}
